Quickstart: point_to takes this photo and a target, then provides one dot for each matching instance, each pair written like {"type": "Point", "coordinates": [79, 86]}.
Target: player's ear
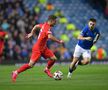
{"type": "Point", "coordinates": [51, 21]}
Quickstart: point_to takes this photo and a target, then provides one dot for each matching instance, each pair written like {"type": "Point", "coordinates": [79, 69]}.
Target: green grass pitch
{"type": "Point", "coordinates": [89, 77]}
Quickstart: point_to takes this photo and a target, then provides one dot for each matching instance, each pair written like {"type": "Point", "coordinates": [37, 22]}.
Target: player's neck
{"type": "Point", "coordinates": [48, 22]}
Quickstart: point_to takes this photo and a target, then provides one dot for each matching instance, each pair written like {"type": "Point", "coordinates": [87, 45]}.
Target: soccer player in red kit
{"type": "Point", "coordinates": [2, 37]}
{"type": "Point", "coordinates": [40, 48]}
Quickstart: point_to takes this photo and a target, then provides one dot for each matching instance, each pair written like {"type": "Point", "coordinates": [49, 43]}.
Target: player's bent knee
{"type": "Point", "coordinates": [31, 64]}
{"type": "Point", "coordinates": [86, 62]}
{"type": "Point", "coordinates": [53, 58]}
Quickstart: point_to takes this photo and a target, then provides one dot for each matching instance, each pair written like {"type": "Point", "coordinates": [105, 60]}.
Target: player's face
{"type": "Point", "coordinates": [53, 22]}
{"type": "Point", "coordinates": [91, 25]}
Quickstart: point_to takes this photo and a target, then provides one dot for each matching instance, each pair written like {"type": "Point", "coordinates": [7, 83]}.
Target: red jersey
{"type": "Point", "coordinates": [42, 37]}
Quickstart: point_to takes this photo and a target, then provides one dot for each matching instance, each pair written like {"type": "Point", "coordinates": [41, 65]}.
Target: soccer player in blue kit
{"type": "Point", "coordinates": [88, 37]}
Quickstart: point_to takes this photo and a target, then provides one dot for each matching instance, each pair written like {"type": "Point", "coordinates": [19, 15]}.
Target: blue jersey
{"type": "Point", "coordinates": [86, 32]}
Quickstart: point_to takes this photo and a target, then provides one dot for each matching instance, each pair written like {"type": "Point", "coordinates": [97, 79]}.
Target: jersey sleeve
{"type": "Point", "coordinates": [98, 32]}
{"type": "Point", "coordinates": [83, 31]}
{"type": "Point", "coordinates": [96, 36]}
{"type": "Point", "coordinates": [49, 32]}
{"type": "Point", "coordinates": [40, 25]}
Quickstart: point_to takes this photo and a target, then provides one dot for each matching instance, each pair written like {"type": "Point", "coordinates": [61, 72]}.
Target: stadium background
{"type": "Point", "coordinates": [17, 17]}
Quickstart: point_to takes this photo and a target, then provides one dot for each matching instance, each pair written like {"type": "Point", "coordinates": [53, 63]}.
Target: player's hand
{"type": "Point", "coordinates": [88, 38]}
{"type": "Point", "coordinates": [61, 41]}
{"type": "Point", "coordinates": [28, 36]}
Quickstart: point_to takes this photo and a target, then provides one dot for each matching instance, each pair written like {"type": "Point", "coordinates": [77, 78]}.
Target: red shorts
{"type": "Point", "coordinates": [46, 53]}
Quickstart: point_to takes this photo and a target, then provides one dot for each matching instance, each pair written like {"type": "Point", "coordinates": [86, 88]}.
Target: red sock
{"type": "Point", "coordinates": [50, 63]}
{"type": "Point", "coordinates": [23, 68]}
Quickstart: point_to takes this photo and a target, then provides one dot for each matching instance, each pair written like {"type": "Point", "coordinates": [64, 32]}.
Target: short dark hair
{"type": "Point", "coordinates": [52, 17]}
{"type": "Point", "coordinates": [92, 19]}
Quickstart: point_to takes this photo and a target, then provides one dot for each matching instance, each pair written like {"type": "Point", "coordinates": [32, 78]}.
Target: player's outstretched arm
{"type": "Point", "coordinates": [96, 38]}
{"type": "Point", "coordinates": [50, 36]}
{"type": "Point", "coordinates": [80, 37]}
{"type": "Point", "coordinates": [32, 31]}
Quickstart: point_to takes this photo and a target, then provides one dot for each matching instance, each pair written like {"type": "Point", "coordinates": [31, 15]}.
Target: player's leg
{"type": "Point", "coordinates": [48, 54]}
{"type": "Point", "coordinates": [51, 61]}
{"type": "Point", "coordinates": [86, 58]}
{"type": "Point", "coordinates": [49, 65]}
{"type": "Point", "coordinates": [85, 61]}
{"type": "Point", "coordinates": [72, 66]}
{"type": "Point", "coordinates": [34, 58]}
{"type": "Point", "coordinates": [75, 60]}
{"type": "Point", "coordinates": [25, 67]}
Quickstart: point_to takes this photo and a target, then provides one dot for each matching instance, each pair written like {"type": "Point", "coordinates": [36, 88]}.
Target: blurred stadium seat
{"type": "Point", "coordinates": [76, 11]}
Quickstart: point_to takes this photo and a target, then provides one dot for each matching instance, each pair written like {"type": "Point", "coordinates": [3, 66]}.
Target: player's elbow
{"type": "Point", "coordinates": [78, 37]}
{"type": "Point", "coordinates": [49, 36]}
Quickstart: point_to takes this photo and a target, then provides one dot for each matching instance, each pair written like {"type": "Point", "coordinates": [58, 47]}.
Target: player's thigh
{"type": "Point", "coordinates": [87, 55]}
{"type": "Point", "coordinates": [78, 51]}
{"type": "Point", "coordinates": [35, 56]}
{"type": "Point", "coordinates": [75, 60]}
{"type": "Point", "coordinates": [48, 54]}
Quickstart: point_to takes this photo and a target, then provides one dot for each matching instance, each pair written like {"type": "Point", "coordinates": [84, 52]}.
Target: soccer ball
{"type": "Point", "coordinates": [58, 75]}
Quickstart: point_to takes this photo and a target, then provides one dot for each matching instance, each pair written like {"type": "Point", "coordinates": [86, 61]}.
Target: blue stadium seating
{"type": "Point", "coordinates": [78, 13]}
